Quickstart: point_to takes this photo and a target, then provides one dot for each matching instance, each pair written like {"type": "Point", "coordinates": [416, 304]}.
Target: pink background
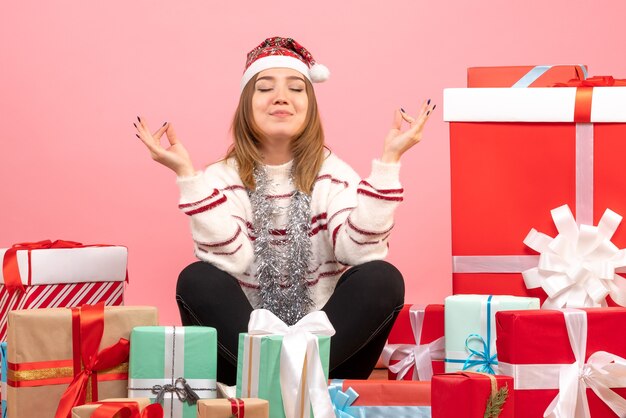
{"type": "Point", "coordinates": [74, 75]}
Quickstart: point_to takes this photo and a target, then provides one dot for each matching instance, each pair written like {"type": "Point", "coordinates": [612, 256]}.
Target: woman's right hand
{"type": "Point", "coordinates": [175, 157]}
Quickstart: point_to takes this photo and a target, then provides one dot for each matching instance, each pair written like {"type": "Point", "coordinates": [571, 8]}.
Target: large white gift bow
{"type": "Point", "coordinates": [418, 355]}
{"type": "Point", "coordinates": [601, 372]}
{"type": "Point", "coordinates": [302, 382]}
{"type": "Point", "coordinates": [577, 268]}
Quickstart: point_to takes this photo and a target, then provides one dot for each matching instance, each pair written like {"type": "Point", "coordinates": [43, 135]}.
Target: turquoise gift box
{"type": "Point", "coordinates": [171, 364]}
{"type": "Point", "coordinates": [470, 329]}
{"type": "Point", "coordinates": [3, 377]}
{"type": "Point", "coordinates": [258, 368]}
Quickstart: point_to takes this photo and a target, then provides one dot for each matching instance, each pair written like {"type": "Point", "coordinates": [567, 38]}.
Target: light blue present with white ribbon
{"type": "Point", "coordinates": [3, 378]}
{"type": "Point", "coordinates": [344, 408]}
{"type": "Point", "coordinates": [470, 329]}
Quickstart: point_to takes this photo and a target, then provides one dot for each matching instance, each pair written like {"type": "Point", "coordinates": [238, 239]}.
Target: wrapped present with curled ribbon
{"type": "Point", "coordinates": [119, 408]}
{"type": "Point", "coordinates": [567, 363]}
{"type": "Point", "coordinates": [517, 153]}
{"type": "Point", "coordinates": [380, 398]}
{"type": "Point", "coordinates": [233, 408]}
{"type": "Point", "coordinates": [56, 274]}
{"type": "Point", "coordinates": [473, 395]}
{"type": "Point", "coordinates": [415, 348]}
{"type": "Point", "coordinates": [286, 365]}
{"type": "Point", "coordinates": [470, 328]}
{"type": "Point", "coordinates": [59, 358]}
{"type": "Point", "coordinates": [173, 366]}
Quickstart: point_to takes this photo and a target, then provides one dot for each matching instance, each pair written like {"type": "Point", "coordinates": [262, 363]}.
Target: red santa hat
{"type": "Point", "coordinates": [280, 52]}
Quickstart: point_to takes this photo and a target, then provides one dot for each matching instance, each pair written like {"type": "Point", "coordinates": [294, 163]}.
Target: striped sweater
{"type": "Point", "coordinates": [351, 219]}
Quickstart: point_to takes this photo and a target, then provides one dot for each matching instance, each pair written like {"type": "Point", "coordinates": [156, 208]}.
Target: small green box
{"type": "Point", "coordinates": [161, 356]}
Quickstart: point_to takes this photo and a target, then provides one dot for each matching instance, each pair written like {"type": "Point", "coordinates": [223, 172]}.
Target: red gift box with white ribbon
{"type": "Point", "coordinates": [518, 153]}
{"type": "Point", "coordinates": [565, 363]}
{"type": "Point", "coordinates": [415, 348]}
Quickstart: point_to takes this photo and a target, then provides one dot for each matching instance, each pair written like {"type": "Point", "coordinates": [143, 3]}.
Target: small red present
{"type": "Point", "coordinates": [380, 398]}
{"type": "Point", "coordinates": [524, 75]}
{"type": "Point", "coordinates": [566, 363]}
{"type": "Point", "coordinates": [472, 395]}
{"type": "Point", "coordinates": [416, 347]}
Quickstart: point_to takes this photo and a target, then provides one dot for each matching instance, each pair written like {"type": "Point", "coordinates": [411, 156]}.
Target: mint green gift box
{"type": "Point", "coordinates": [470, 329]}
{"type": "Point", "coordinates": [165, 359]}
{"type": "Point", "coordinates": [258, 368]}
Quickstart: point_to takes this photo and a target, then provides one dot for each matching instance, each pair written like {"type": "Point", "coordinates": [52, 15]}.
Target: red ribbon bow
{"type": "Point", "coordinates": [127, 410]}
{"type": "Point", "coordinates": [87, 330]}
{"type": "Point", "coordinates": [597, 81]}
{"type": "Point", "coordinates": [237, 407]}
{"type": "Point", "coordinates": [584, 93]}
{"type": "Point", "coordinates": [10, 269]}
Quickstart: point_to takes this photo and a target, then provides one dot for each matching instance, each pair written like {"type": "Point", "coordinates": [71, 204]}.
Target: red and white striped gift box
{"type": "Point", "coordinates": [65, 277]}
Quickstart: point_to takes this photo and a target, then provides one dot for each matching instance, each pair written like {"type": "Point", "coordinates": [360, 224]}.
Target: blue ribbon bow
{"type": "Point", "coordinates": [485, 359]}
{"type": "Point", "coordinates": [342, 401]}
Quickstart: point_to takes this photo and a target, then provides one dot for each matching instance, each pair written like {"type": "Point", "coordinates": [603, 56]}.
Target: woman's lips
{"type": "Point", "coordinates": [280, 114]}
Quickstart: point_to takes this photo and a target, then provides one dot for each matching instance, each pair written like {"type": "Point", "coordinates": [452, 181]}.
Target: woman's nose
{"type": "Point", "coordinates": [281, 95]}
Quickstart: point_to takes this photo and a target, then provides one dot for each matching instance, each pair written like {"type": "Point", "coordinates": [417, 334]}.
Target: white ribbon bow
{"type": "Point", "coordinates": [577, 268]}
{"type": "Point", "coordinates": [302, 382]}
{"type": "Point", "coordinates": [602, 371]}
{"type": "Point", "coordinates": [419, 356]}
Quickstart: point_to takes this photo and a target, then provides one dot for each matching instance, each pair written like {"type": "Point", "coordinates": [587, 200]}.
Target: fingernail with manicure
{"type": "Point", "coordinates": [164, 124]}
{"type": "Point", "coordinates": [434, 107]}
{"type": "Point", "coordinates": [138, 119]}
{"type": "Point", "coordinates": [402, 110]}
{"type": "Point", "coordinates": [428, 113]}
{"type": "Point", "coordinates": [428, 102]}
{"type": "Point", "coordinates": [137, 136]}
{"type": "Point", "coordinates": [134, 124]}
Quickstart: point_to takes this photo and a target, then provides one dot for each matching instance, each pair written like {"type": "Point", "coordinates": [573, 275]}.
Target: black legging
{"type": "Point", "coordinates": [362, 310]}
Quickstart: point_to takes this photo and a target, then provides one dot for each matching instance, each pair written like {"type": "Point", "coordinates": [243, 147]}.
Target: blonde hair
{"type": "Point", "coordinates": [307, 146]}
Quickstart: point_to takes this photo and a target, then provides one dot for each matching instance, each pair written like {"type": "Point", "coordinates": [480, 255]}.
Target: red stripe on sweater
{"type": "Point", "coordinates": [318, 217]}
{"type": "Point", "coordinates": [364, 232]}
{"type": "Point", "coordinates": [234, 187]}
{"type": "Point", "coordinates": [246, 223]}
{"type": "Point", "coordinates": [364, 243]}
{"type": "Point", "coordinates": [279, 196]}
{"type": "Point", "coordinates": [207, 207]}
{"type": "Point", "coordinates": [222, 243]}
{"type": "Point", "coordinates": [379, 196]}
{"type": "Point", "coordinates": [336, 230]}
{"type": "Point", "coordinates": [337, 213]}
{"type": "Point", "coordinates": [382, 191]}
{"type": "Point", "coordinates": [187, 205]}
{"type": "Point", "coordinates": [230, 253]}
{"type": "Point", "coordinates": [332, 179]}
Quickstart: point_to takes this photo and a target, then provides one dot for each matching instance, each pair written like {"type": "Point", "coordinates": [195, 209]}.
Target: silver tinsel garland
{"type": "Point", "coordinates": [282, 267]}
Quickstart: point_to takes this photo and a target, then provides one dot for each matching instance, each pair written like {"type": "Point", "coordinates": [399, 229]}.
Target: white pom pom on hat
{"type": "Point", "coordinates": [280, 52]}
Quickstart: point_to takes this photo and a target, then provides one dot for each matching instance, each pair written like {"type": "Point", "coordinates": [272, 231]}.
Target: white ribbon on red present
{"type": "Point", "coordinates": [302, 381]}
{"type": "Point", "coordinates": [577, 268]}
{"type": "Point", "coordinates": [419, 356]}
{"type": "Point", "coordinates": [601, 372]}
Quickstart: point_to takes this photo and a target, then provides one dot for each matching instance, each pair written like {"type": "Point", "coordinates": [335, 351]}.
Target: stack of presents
{"type": "Point", "coordinates": [535, 326]}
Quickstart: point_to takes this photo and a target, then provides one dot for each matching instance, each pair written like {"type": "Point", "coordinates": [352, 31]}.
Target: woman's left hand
{"type": "Point", "coordinates": [398, 142]}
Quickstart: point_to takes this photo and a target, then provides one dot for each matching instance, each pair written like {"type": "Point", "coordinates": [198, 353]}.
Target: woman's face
{"type": "Point", "coordinates": [280, 103]}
